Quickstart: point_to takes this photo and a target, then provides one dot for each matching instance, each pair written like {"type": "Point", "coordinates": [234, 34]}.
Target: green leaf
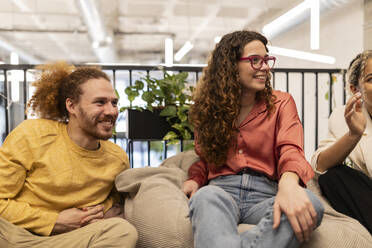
{"type": "Point", "coordinates": [148, 97]}
{"type": "Point", "coordinates": [186, 135]}
{"type": "Point", "coordinates": [178, 126]}
{"type": "Point", "coordinates": [182, 115]}
{"type": "Point", "coordinates": [169, 110]}
{"type": "Point", "coordinates": [170, 135]}
{"type": "Point", "coordinates": [139, 84]}
{"type": "Point", "coordinates": [326, 96]}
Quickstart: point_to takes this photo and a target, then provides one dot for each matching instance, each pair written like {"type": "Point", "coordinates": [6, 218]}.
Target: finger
{"type": "Point", "coordinates": [358, 105]}
{"type": "Point", "coordinates": [276, 215]}
{"type": "Point", "coordinates": [185, 190]}
{"type": "Point", "coordinates": [296, 227]}
{"type": "Point", "coordinates": [313, 215]}
{"type": "Point", "coordinates": [89, 218]}
{"type": "Point", "coordinates": [93, 210]}
{"type": "Point", "coordinates": [350, 104]}
{"type": "Point", "coordinates": [192, 193]}
{"type": "Point", "coordinates": [306, 224]}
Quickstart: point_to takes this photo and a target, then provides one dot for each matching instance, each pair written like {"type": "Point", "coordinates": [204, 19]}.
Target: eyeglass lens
{"type": "Point", "coordinates": [257, 62]}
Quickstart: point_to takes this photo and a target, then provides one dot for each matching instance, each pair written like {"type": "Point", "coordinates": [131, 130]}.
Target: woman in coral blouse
{"type": "Point", "coordinates": [250, 141]}
{"type": "Point", "coordinates": [349, 188]}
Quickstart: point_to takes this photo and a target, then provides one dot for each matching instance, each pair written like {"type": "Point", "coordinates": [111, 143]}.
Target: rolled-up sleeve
{"type": "Point", "coordinates": [289, 143]}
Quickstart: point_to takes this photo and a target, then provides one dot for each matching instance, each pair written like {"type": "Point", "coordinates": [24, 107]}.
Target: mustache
{"type": "Point", "coordinates": [108, 118]}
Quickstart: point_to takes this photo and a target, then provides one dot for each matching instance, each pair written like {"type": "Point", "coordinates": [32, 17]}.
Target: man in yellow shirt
{"type": "Point", "coordinates": [57, 172]}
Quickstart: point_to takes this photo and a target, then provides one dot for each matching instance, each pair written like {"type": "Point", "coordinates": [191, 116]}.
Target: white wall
{"type": "Point", "coordinates": [341, 36]}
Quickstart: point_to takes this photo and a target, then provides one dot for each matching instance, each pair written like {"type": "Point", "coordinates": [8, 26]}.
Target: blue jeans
{"type": "Point", "coordinates": [217, 209]}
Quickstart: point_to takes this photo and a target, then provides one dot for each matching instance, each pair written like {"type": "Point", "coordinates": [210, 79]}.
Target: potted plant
{"type": "Point", "coordinates": [165, 114]}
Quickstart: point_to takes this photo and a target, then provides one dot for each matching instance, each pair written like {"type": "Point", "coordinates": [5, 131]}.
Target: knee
{"type": "Point", "coordinates": [318, 206]}
{"type": "Point", "coordinates": [123, 230]}
{"type": "Point", "coordinates": [206, 195]}
{"type": "Point", "coordinates": [211, 196]}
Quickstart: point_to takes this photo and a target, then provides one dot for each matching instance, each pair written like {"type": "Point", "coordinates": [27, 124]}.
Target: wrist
{"type": "Point", "coordinates": [289, 178]}
{"type": "Point", "coordinates": [354, 137]}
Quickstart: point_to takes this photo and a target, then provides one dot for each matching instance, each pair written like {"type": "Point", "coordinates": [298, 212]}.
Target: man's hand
{"type": "Point", "coordinates": [292, 199]}
{"type": "Point", "coordinates": [117, 210]}
{"type": "Point", "coordinates": [73, 218]}
{"type": "Point", "coordinates": [190, 187]}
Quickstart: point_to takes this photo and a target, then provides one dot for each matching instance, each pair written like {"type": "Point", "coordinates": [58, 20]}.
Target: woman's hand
{"type": "Point", "coordinates": [354, 116]}
{"type": "Point", "coordinates": [190, 187]}
{"type": "Point", "coordinates": [292, 199]}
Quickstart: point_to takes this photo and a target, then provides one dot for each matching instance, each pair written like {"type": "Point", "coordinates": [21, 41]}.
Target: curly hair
{"type": "Point", "coordinates": [357, 66]}
{"type": "Point", "coordinates": [217, 98]}
{"type": "Point", "coordinates": [59, 81]}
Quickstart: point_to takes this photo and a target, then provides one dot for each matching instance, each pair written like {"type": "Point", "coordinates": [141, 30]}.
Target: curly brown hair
{"type": "Point", "coordinates": [59, 81]}
{"type": "Point", "coordinates": [217, 98]}
{"type": "Point", "coordinates": [357, 67]}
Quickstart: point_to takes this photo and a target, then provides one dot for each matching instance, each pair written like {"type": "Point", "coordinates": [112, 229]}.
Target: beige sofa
{"type": "Point", "coordinates": [156, 206]}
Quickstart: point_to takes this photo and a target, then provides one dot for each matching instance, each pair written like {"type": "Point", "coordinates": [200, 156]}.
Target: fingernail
{"type": "Point", "coordinates": [358, 94]}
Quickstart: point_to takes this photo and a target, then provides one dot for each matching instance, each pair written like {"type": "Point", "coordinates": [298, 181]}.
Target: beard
{"type": "Point", "coordinates": [95, 127]}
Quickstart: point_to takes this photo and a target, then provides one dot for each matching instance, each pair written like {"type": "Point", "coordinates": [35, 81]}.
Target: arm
{"type": "Point", "coordinates": [337, 153]}
{"type": "Point", "coordinates": [289, 143]}
{"type": "Point", "coordinates": [293, 170]}
{"type": "Point", "coordinates": [15, 162]}
{"type": "Point", "coordinates": [198, 174]}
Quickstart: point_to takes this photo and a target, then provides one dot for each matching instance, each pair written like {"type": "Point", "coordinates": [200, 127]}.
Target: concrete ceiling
{"type": "Point", "coordinates": [50, 30]}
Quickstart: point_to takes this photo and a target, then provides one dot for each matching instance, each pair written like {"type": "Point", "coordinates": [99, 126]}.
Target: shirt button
{"type": "Point", "coordinates": [240, 151]}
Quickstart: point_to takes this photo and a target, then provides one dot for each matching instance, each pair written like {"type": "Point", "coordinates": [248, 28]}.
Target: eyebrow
{"type": "Point", "coordinates": [105, 98]}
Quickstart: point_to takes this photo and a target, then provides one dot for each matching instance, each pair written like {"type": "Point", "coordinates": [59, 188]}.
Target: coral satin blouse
{"type": "Point", "coordinates": [267, 144]}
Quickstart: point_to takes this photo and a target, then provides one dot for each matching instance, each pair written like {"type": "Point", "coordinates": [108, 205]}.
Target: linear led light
{"type": "Point", "coordinates": [302, 55]}
{"type": "Point", "coordinates": [314, 24]}
{"type": "Point", "coordinates": [183, 51]}
{"type": "Point", "coordinates": [168, 52]}
{"type": "Point", "coordinates": [275, 26]}
{"type": "Point", "coordinates": [15, 75]}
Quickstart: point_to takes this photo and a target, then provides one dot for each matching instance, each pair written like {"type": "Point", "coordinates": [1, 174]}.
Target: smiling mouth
{"type": "Point", "coordinates": [260, 77]}
{"type": "Point", "coordinates": [107, 123]}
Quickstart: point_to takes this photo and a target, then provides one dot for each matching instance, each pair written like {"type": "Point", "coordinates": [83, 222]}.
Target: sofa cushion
{"type": "Point", "coordinates": [158, 208]}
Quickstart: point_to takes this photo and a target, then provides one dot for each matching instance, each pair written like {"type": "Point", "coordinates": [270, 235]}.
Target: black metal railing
{"type": "Point", "coordinates": [316, 92]}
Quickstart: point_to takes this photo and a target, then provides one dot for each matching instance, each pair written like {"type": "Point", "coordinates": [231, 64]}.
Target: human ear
{"type": "Point", "coordinates": [354, 89]}
{"type": "Point", "coordinates": [70, 106]}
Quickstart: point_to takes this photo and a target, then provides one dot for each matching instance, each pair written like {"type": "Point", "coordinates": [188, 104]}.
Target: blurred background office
{"type": "Point", "coordinates": [303, 34]}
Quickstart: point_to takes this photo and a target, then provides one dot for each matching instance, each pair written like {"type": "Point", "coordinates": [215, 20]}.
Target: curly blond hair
{"type": "Point", "coordinates": [217, 98]}
{"type": "Point", "coordinates": [59, 81]}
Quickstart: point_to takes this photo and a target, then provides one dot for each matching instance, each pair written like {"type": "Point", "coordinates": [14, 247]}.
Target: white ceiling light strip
{"type": "Point", "coordinates": [168, 52]}
{"type": "Point", "coordinates": [314, 24]}
{"type": "Point", "coordinates": [279, 24]}
{"type": "Point", "coordinates": [183, 51]}
{"type": "Point", "coordinates": [301, 55]}
{"type": "Point", "coordinates": [275, 27]}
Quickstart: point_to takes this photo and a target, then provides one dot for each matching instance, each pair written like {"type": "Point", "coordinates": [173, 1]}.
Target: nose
{"type": "Point", "coordinates": [265, 66]}
{"type": "Point", "coordinates": [111, 109]}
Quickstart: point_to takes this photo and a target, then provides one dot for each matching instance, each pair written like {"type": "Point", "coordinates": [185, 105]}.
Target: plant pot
{"type": "Point", "coordinates": [147, 125]}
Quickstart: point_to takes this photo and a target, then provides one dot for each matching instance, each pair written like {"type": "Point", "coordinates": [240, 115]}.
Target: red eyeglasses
{"type": "Point", "coordinates": [257, 61]}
